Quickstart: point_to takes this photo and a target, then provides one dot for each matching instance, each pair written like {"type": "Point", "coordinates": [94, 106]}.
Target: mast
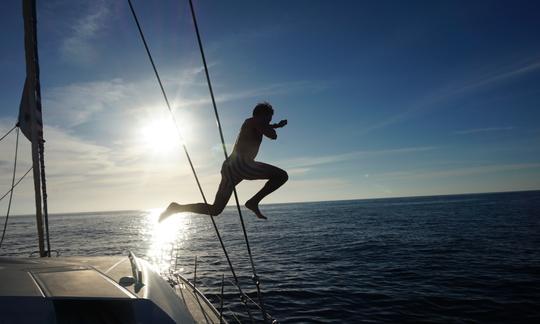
{"type": "Point", "coordinates": [30, 120]}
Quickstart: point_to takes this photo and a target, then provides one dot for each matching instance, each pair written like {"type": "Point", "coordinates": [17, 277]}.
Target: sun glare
{"type": "Point", "coordinates": [160, 136]}
{"type": "Point", "coordinates": [165, 237]}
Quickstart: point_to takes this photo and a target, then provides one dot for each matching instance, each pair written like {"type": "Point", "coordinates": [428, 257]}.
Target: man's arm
{"type": "Point", "coordinates": [267, 130]}
{"type": "Point", "coordinates": [282, 123]}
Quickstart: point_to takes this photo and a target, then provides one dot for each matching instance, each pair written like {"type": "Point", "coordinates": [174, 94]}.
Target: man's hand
{"type": "Point", "coordinates": [280, 124]}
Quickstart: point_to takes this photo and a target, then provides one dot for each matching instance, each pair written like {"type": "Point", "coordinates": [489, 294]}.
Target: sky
{"type": "Point", "coordinates": [383, 98]}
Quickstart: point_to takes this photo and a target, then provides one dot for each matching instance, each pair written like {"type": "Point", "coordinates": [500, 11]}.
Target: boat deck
{"type": "Point", "coordinates": [83, 283]}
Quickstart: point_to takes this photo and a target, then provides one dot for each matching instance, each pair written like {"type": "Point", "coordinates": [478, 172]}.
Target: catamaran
{"type": "Point", "coordinates": [102, 289]}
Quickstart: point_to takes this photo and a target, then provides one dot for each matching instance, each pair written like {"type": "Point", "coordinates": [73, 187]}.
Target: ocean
{"type": "Point", "coordinates": [460, 258]}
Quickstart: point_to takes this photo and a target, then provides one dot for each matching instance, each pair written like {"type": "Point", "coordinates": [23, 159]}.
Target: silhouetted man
{"type": "Point", "coordinates": [241, 165]}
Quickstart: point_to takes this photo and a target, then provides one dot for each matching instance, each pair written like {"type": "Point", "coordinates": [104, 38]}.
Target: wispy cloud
{"type": "Point", "coordinates": [483, 130]}
{"type": "Point", "coordinates": [304, 162]}
{"type": "Point", "coordinates": [264, 91]}
{"type": "Point", "coordinates": [496, 77]}
{"type": "Point", "coordinates": [77, 46]}
{"type": "Point", "coordinates": [298, 171]}
{"type": "Point", "coordinates": [74, 104]}
{"type": "Point", "coordinates": [458, 172]}
{"type": "Point", "coordinates": [451, 91]}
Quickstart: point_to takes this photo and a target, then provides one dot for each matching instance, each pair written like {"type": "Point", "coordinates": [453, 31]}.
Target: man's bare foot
{"type": "Point", "coordinates": [172, 209]}
{"type": "Point", "coordinates": [254, 207]}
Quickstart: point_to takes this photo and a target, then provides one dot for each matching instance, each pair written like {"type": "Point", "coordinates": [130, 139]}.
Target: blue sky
{"type": "Point", "coordinates": [383, 98]}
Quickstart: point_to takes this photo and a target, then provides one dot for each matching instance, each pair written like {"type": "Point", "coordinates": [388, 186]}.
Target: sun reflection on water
{"type": "Point", "coordinates": [166, 238]}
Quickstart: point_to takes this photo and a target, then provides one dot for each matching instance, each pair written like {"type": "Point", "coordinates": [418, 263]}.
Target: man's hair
{"type": "Point", "coordinates": [263, 108]}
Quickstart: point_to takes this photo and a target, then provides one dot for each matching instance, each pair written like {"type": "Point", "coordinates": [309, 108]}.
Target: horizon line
{"type": "Point", "coordinates": [296, 202]}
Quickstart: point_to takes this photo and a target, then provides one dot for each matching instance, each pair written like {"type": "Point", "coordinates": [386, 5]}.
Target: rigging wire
{"type": "Point", "coordinates": [186, 150]}
{"type": "Point", "coordinates": [12, 185]}
{"type": "Point", "coordinates": [255, 277]}
{"type": "Point", "coordinates": [16, 183]}
{"type": "Point", "coordinates": [8, 132]}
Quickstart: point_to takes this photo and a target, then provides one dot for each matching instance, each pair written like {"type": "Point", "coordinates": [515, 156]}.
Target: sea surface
{"type": "Point", "coordinates": [440, 259]}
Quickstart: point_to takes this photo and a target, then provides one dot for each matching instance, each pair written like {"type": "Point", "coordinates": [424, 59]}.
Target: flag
{"type": "Point", "coordinates": [28, 102]}
{"type": "Point", "coordinates": [30, 107]}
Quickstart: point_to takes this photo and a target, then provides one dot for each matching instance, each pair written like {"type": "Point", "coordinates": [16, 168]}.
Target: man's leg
{"type": "Point", "coordinates": [222, 197]}
{"type": "Point", "coordinates": [276, 178]}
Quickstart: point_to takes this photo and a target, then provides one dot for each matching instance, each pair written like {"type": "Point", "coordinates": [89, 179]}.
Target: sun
{"type": "Point", "coordinates": [160, 135]}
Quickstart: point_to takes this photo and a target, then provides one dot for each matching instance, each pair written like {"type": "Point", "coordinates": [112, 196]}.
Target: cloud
{"type": "Point", "coordinates": [76, 103]}
{"type": "Point", "coordinates": [496, 77]}
{"type": "Point", "coordinates": [304, 162]}
{"type": "Point", "coordinates": [483, 130]}
{"type": "Point", "coordinates": [434, 99]}
{"type": "Point", "coordinates": [254, 92]}
{"type": "Point", "coordinates": [277, 88]}
{"type": "Point", "coordinates": [72, 158]}
{"type": "Point", "coordinates": [73, 104]}
{"type": "Point", "coordinates": [114, 176]}
{"type": "Point", "coordinates": [77, 46]}
{"type": "Point", "coordinates": [298, 170]}
{"type": "Point", "coordinates": [458, 172]}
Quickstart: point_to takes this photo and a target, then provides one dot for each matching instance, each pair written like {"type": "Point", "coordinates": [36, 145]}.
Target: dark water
{"type": "Point", "coordinates": [466, 258]}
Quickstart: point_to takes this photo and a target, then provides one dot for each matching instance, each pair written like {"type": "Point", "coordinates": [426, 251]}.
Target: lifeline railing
{"type": "Point", "coordinates": [196, 285]}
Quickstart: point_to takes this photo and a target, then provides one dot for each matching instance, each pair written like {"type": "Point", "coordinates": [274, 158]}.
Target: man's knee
{"type": "Point", "coordinates": [216, 209]}
{"type": "Point", "coordinates": [282, 175]}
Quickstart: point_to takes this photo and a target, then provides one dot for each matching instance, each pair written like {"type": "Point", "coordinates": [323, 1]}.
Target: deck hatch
{"type": "Point", "coordinates": [83, 283]}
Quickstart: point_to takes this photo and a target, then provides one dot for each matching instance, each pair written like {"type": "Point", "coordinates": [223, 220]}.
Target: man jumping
{"type": "Point", "coordinates": [241, 165]}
